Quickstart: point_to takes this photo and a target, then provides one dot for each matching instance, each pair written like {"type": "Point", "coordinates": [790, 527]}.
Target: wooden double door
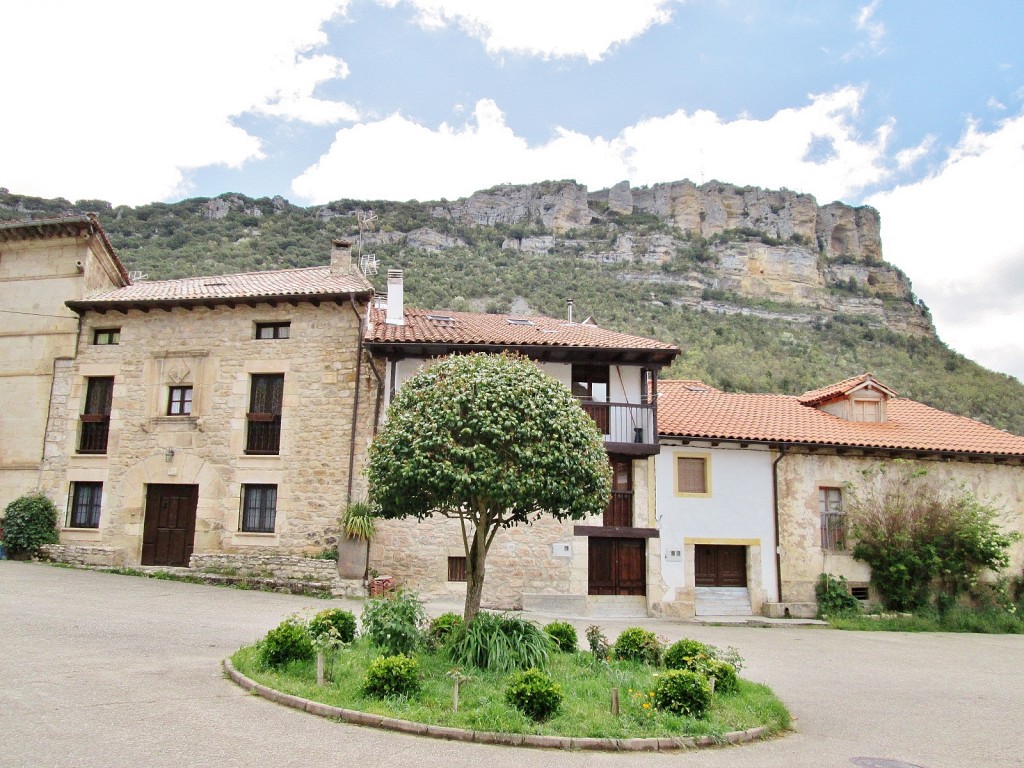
{"type": "Point", "coordinates": [719, 566]}
{"type": "Point", "coordinates": [169, 531]}
{"type": "Point", "coordinates": [617, 566]}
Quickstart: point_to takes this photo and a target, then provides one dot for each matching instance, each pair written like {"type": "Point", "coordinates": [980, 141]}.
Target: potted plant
{"type": "Point", "coordinates": [358, 524]}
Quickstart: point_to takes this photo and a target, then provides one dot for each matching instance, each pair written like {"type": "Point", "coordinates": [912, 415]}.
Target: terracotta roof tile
{"type": "Point", "coordinates": [309, 281]}
{"type": "Point", "coordinates": [911, 425]}
{"type": "Point", "coordinates": [424, 326]}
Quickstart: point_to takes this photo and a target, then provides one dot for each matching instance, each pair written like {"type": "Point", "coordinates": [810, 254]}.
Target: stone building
{"type": "Point", "coordinates": [225, 414]}
{"type": "Point", "coordinates": [750, 487]}
{"type": "Point", "coordinates": [42, 264]}
{"type": "Point", "coordinates": [599, 565]}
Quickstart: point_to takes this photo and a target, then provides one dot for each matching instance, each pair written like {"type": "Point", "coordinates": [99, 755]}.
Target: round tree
{"type": "Point", "coordinates": [492, 441]}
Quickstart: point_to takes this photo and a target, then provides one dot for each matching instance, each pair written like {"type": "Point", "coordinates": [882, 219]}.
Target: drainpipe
{"type": "Point", "coordinates": [775, 508]}
{"type": "Point", "coordinates": [355, 399]}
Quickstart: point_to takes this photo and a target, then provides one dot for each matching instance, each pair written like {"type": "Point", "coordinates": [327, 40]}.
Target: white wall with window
{"type": "Point", "coordinates": [714, 495]}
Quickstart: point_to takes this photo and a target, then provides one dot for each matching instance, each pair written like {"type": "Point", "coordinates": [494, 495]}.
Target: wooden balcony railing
{"type": "Point", "coordinates": [620, 509]}
{"type": "Point", "coordinates": [625, 424]}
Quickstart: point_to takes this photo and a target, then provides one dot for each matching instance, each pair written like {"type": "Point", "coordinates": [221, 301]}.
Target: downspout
{"type": "Point", "coordinates": [355, 399]}
{"type": "Point", "coordinates": [775, 508]}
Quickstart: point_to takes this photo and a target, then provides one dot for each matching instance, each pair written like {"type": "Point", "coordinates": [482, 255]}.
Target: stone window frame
{"type": "Point", "coordinates": [182, 404]}
{"type": "Point", "coordinates": [85, 501]}
{"type": "Point", "coordinates": [705, 458]}
{"type": "Point", "coordinates": [258, 508]}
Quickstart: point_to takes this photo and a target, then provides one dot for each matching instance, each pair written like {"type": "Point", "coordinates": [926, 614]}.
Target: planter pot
{"type": "Point", "coordinates": [351, 558]}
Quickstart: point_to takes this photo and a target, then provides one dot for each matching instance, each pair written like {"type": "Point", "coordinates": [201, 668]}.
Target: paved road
{"type": "Point", "coordinates": [105, 670]}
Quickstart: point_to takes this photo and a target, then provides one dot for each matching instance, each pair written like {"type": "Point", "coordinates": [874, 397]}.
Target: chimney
{"type": "Point", "coordinates": [341, 257]}
{"type": "Point", "coordinates": [569, 303]}
{"type": "Point", "coordinates": [396, 302]}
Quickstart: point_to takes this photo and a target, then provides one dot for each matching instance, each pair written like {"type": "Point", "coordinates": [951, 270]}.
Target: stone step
{"type": "Point", "coordinates": [723, 601]}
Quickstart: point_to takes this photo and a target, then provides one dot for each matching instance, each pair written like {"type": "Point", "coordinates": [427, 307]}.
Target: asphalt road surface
{"type": "Point", "coordinates": [105, 670]}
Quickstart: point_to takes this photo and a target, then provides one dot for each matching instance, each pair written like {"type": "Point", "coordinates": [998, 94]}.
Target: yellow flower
{"type": "Point", "coordinates": [646, 705]}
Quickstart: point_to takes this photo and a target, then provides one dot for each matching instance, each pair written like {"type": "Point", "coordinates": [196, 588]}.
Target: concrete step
{"type": "Point", "coordinates": [723, 601]}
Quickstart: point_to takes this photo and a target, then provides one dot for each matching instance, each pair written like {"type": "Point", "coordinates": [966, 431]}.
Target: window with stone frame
{"type": "Point", "coordinates": [279, 330]}
{"type": "Point", "coordinates": [692, 475]}
{"type": "Point", "coordinates": [833, 521]}
{"type": "Point", "coordinates": [95, 418]}
{"type": "Point", "coordinates": [179, 401]}
{"type": "Point", "coordinates": [106, 336]}
{"type": "Point", "coordinates": [259, 509]}
{"type": "Point", "coordinates": [264, 417]}
{"type": "Point", "coordinates": [85, 499]}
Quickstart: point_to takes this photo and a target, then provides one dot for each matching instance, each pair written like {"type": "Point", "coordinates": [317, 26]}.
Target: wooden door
{"type": "Point", "coordinates": [620, 505]}
{"type": "Point", "coordinates": [720, 566]}
{"type": "Point", "coordinates": [617, 566]}
{"type": "Point", "coordinates": [169, 530]}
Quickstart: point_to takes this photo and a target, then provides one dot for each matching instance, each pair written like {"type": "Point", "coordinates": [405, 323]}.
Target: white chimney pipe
{"type": "Point", "coordinates": [396, 298]}
{"type": "Point", "coordinates": [569, 303]}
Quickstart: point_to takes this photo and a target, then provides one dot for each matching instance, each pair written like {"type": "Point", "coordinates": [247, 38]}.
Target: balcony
{"type": "Point", "coordinates": [264, 436]}
{"type": "Point", "coordinates": [95, 429]}
{"type": "Point", "coordinates": [628, 429]}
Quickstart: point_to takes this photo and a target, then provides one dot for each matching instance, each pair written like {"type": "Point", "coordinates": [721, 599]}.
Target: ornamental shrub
{"type": "Point", "coordinates": [638, 644]}
{"type": "Point", "coordinates": [442, 628]}
{"type": "Point", "coordinates": [28, 523]}
{"type": "Point", "coordinates": [343, 622]}
{"type": "Point", "coordinates": [726, 680]}
{"type": "Point", "coordinates": [500, 643]}
{"type": "Point", "coordinates": [834, 598]}
{"type": "Point", "coordinates": [288, 641]}
{"type": "Point", "coordinates": [397, 675]}
{"type": "Point", "coordinates": [688, 654]}
{"type": "Point", "coordinates": [563, 635]}
{"type": "Point", "coordinates": [534, 694]}
{"type": "Point", "coordinates": [394, 623]}
{"type": "Point", "coordinates": [683, 693]}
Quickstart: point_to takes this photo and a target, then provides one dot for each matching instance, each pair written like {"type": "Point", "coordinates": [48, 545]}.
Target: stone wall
{"type": "Point", "coordinates": [83, 554]}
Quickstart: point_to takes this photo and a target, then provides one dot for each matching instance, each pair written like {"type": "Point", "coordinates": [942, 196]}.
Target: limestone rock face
{"type": "Point", "coordinates": [558, 205]}
{"type": "Point", "coordinates": [431, 240]}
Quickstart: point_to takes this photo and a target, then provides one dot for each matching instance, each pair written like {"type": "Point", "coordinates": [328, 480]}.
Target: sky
{"type": "Point", "coordinates": [914, 107]}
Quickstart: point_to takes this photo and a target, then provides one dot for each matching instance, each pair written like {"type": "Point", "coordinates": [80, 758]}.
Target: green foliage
{"type": "Point", "coordinates": [834, 598]}
{"type": "Point", "coordinates": [726, 680]}
{"type": "Point", "coordinates": [28, 523]}
{"type": "Point", "coordinates": [499, 642]}
{"type": "Point", "coordinates": [442, 627]}
{"type": "Point", "coordinates": [394, 623]}
{"type": "Point", "coordinates": [687, 654]}
{"type": "Point", "coordinates": [343, 623]}
{"type": "Point", "coordinates": [359, 520]}
{"type": "Point", "coordinates": [638, 644]}
{"type": "Point", "coordinates": [683, 692]}
{"type": "Point", "coordinates": [288, 641]}
{"type": "Point", "coordinates": [490, 440]}
{"type": "Point", "coordinates": [533, 693]}
{"type": "Point", "coordinates": [598, 643]}
{"type": "Point", "coordinates": [564, 636]}
{"type": "Point", "coordinates": [329, 553]}
{"type": "Point", "coordinates": [923, 537]}
{"type": "Point", "coordinates": [397, 675]}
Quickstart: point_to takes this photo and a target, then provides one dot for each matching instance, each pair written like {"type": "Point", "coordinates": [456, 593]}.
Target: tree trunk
{"type": "Point", "coordinates": [475, 559]}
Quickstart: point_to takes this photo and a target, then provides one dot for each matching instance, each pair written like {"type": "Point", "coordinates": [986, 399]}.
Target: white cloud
{"type": "Point", "coordinates": [117, 99]}
{"type": "Point", "coordinates": [547, 28]}
{"type": "Point", "coordinates": [874, 44]}
{"type": "Point", "coordinates": [956, 232]}
{"type": "Point", "coordinates": [397, 158]}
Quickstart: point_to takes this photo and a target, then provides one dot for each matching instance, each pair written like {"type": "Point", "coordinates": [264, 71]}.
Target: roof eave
{"type": "Point", "coordinates": [124, 305]}
{"type": "Point", "coordinates": [541, 352]}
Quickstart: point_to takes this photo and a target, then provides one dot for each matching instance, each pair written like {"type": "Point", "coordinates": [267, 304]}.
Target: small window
{"type": "Point", "coordinates": [95, 418]}
{"type": "Point", "coordinates": [84, 506]}
{"type": "Point", "coordinates": [264, 417]}
{"type": "Point", "coordinates": [259, 508]}
{"type": "Point", "coordinates": [691, 474]}
{"type": "Point", "coordinates": [179, 401]}
{"type": "Point", "coordinates": [833, 522]}
{"type": "Point", "coordinates": [867, 410]}
{"type": "Point", "coordinates": [861, 592]}
{"type": "Point", "coordinates": [456, 569]}
{"type": "Point", "coordinates": [105, 336]}
{"type": "Point", "coordinates": [272, 330]}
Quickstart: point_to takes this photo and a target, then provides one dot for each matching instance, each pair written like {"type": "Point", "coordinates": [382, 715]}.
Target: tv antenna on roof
{"type": "Point", "coordinates": [367, 222]}
{"type": "Point", "coordinates": [136, 276]}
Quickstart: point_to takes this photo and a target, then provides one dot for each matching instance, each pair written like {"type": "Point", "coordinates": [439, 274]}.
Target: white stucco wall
{"type": "Point", "coordinates": [737, 510]}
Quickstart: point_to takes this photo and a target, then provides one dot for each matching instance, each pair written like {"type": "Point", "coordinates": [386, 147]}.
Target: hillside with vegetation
{"type": "Point", "coordinates": [764, 291]}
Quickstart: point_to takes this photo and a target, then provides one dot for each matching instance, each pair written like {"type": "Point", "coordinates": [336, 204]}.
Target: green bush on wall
{"type": "Point", "coordinates": [28, 523]}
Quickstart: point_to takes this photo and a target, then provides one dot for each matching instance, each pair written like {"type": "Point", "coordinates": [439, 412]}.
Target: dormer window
{"type": "Point", "coordinates": [861, 399]}
{"type": "Point", "coordinates": [865, 410]}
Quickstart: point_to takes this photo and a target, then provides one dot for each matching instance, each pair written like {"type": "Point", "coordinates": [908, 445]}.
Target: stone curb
{"type": "Point", "coordinates": [354, 717]}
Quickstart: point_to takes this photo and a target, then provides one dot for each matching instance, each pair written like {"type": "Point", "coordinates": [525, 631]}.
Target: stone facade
{"type": "Point", "coordinates": [214, 350]}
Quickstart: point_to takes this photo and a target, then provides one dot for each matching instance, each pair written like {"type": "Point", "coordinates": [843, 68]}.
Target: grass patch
{"type": "Point", "coordinates": [585, 683]}
{"type": "Point", "coordinates": [989, 621]}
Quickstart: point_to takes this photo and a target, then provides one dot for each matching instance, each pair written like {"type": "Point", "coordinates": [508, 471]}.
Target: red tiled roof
{"type": "Point", "coordinates": [844, 387]}
{"type": "Point", "coordinates": [280, 284]}
{"type": "Point", "coordinates": [910, 425]}
{"type": "Point", "coordinates": [442, 327]}
{"type": "Point", "coordinates": [62, 227]}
